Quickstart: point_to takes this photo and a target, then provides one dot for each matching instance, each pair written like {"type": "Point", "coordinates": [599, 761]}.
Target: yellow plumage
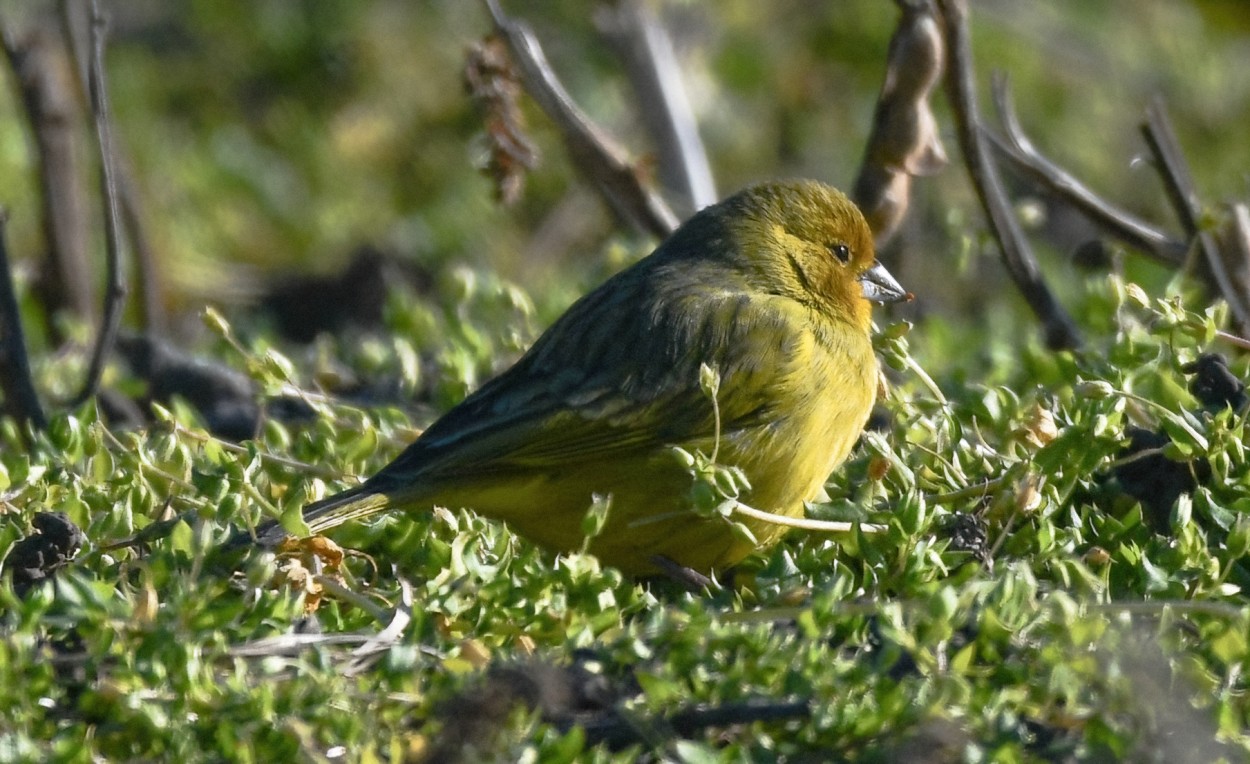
{"type": "Point", "coordinates": [771, 288]}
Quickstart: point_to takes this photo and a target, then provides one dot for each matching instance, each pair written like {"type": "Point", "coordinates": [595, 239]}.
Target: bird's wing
{"type": "Point", "coordinates": [615, 375]}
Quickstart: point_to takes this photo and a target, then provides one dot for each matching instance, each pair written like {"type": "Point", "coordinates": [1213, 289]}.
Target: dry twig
{"type": "Point", "coordinates": [115, 297]}
{"type": "Point", "coordinates": [492, 82]}
{"type": "Point", "coordinates": [76, 30]}
{"type": "Point", "coordinates": [20, 399]}
{"type": "Point", "coordinates": [646, 50]}
{"type": "Point", "coordinates": [1017, 147]}
{"type": "Point", "coordinates": [904, 141]}
{"type": "Point", "coordinates": [597, 156]}
{"type": "Point", "coordinates": [48, 96]}
{"type": "Point", "coordinates": [1235, 242]}
{"type": "Point", "coordinates": [1179, 184]}
{"type": "Point", "coordinates": [1060, 331]}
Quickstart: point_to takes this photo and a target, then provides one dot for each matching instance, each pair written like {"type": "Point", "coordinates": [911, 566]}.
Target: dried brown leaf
{"type": "Point", "coordinates": [495, 86]}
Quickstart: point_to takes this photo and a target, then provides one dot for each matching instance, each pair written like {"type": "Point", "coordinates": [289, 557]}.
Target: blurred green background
{"type": "Point", "coordinates": [276, 136]}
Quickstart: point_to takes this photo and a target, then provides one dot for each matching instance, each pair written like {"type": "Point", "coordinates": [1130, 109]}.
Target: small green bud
{"type": "Point", "coordinates": [1137, 295]}
{"type": "Point", "coordinates": [597, 516]}
{"type": "Point", "coordinates": [1238, 541]}
{"type": "Point", "coordinates": [684, 457]}
{"type": "Point", "coordinates": [1093, 389]}
{"type": "Point", "coordinates": [709, 380]}
{"type": "Point", "coordinates": [215, 322]}
{"type": "Point", "coordinates": [726, 482]}
{"type": "Point", "coordinates": [704, 497]}
{"type": "Point", "coordinates": [897, 330]}
{"type": "Point", "coordinates": [743, 534]}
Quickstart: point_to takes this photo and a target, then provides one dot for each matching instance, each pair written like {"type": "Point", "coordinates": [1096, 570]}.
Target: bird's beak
{"type": "Point", "coordinates": [880, 286]}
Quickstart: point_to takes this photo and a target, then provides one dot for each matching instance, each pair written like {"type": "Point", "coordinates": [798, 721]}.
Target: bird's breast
{"type": "Point", "coordinates": [826, 399]}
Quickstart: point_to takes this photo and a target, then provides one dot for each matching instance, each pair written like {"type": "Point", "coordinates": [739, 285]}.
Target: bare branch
{"type": "Point", "coordinates": [646, 50]}
{"type": "Point", "coordinates": [1060, 331]}
{"type": "Point", "coordinates": [597, 156]}
{"type": "Point", "coordinates": [20, 399]}
{"type": "Point", "coordinates": [1237, 240]}
{"type": "Point", "coordinates": [48, 94]}
{"type": "Point", "coordinates": [115, 297]}
{"type": "Point", "coordinates": [1179, 184]}
{"type": "Point", "coordinates": [1232, 239]}
{"type": "Point", "coordinates": [904, 141]}
{"type": "Point", "coordinates": [1017, 147]}
{"type": "Point", "coordinates": [76, 30]}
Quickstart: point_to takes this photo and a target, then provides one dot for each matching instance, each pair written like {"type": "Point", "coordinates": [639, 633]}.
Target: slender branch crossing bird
{"type": "Point", "coordinates": [772, 288]}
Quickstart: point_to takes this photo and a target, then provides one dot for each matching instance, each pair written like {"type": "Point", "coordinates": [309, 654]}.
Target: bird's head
{"type": "Point", "coordinates": [807, 241]}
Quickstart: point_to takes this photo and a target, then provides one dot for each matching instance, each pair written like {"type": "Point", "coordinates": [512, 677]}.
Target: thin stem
{"type": "Point", "coordinates": [150, 468]}
{"type": "Point", "coordinates": [1135, 456]}
{"type": "Point", "coordinates": [268, 456]}
{"type": "Point", "coordinates": [331, 586]}
{"type": "Point", "coordinates": [925, 379]}
{"type": "Point", "coordinates": [1061, 332]}
{"type": "Point", "coordinates": [806, 523]}
{"type": "Point", "coordinates": [115, 297]}
{"type": "Point", "coordinates": [968, 492]}
{"type": "Point", "coordinates": [1233, 339]}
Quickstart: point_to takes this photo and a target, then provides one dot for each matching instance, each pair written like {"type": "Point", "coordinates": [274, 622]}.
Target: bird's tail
{"type": "Point", "coordinates": [331, 512]}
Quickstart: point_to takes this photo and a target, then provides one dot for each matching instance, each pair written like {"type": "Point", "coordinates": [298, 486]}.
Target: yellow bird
{"type": "Point", "coordinates": [772, 288]}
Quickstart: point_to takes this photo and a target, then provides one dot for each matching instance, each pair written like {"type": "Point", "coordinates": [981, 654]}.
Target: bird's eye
{"type": "Point", "coordinates": [841, 251]}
